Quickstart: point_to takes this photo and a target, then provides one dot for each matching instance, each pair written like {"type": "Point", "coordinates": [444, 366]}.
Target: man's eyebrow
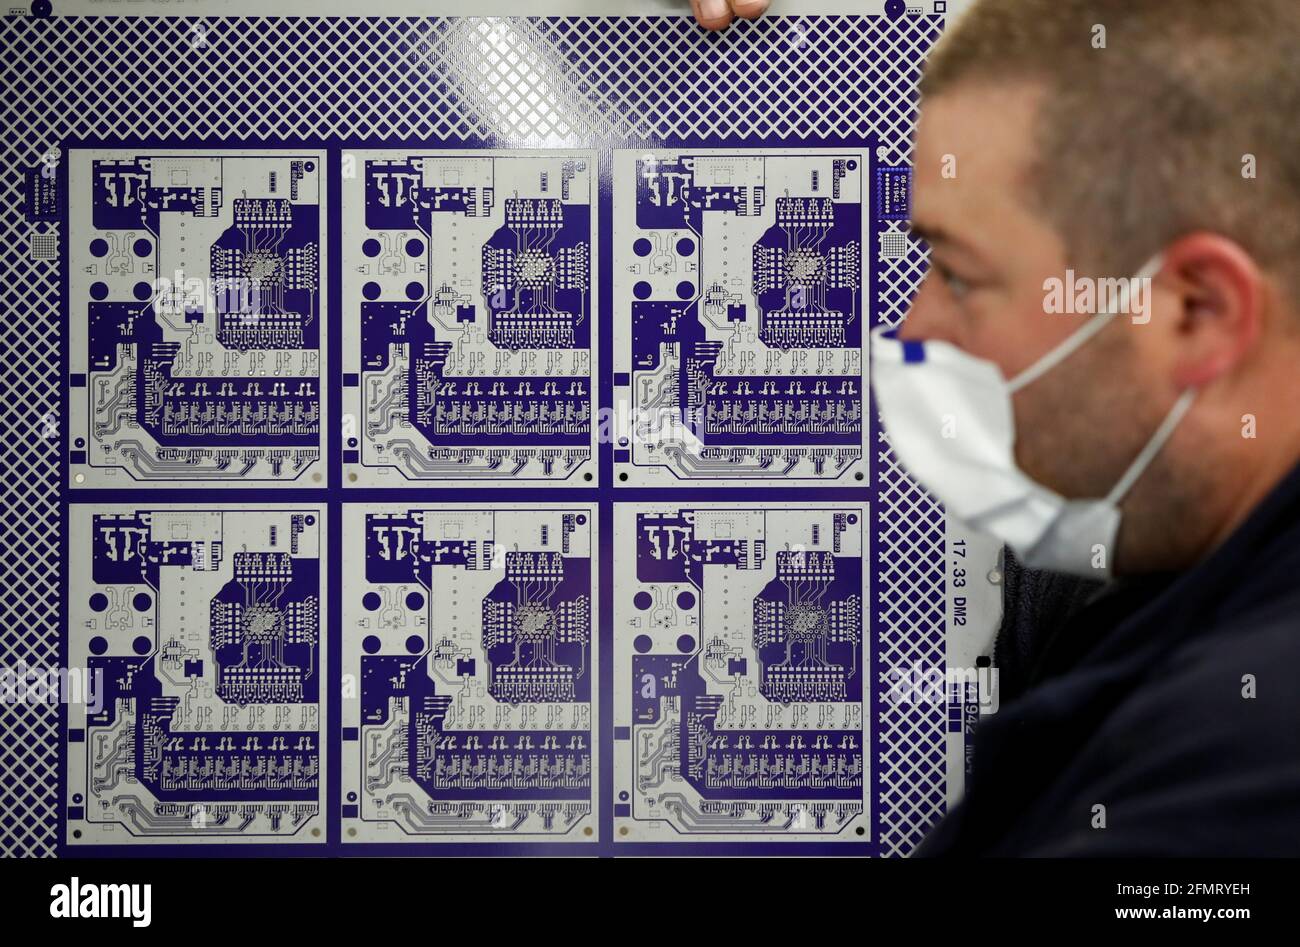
{"type": "Point", "coordinates": [930, 234]}
{"type": "Point", "coordinates": [937, 236]}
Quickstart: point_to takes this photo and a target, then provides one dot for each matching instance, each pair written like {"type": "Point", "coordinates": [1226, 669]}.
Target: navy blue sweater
{"type": "Point", "coordinates": [1136, 701]}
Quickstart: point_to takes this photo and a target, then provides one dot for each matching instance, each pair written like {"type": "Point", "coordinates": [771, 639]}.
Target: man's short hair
{"type": "Point", "coordinates": [1153, 135]}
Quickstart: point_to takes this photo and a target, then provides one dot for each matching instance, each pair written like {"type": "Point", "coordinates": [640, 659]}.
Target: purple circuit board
{"type": "Point", "coordinates": [469, 634]}
{"type": "Point", "coordinates": [201, 632]}
{"type": "Point", "coordinates": [196, 290]}
{"type": "Point", "coordinates": [470, 331]}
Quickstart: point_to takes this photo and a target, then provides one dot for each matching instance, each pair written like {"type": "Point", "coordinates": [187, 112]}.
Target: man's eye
{"type": "Point", "coordinates": [956, 285]}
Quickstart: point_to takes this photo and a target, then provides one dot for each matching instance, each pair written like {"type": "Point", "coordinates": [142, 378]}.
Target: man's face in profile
{"type": "Point", "coordinates": [991, 251]}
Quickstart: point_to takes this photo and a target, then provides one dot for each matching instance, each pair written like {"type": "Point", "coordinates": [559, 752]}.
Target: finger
{"type": "Point", "coordinates": [712, 14]}
{"type": "Point", "coordinates": [749, 9]}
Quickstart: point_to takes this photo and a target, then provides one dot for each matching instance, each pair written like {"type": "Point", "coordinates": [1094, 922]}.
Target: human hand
{"type": "Point", "coordinates": [718, 14]}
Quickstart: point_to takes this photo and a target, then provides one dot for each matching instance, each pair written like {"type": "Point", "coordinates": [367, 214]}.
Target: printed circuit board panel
{"type": "Point", "coordinates": [470, 336]}
{"type": "Point", "coordinates": [202, 635]}
{"type": "Point", "coordinates": [196, 291]}
{"type": "Point", "coordinates": [741, 683]}
{"type": "Point", "coordinates": [739, 315]}
{"type": "Point", "coordinates": [470, 655]}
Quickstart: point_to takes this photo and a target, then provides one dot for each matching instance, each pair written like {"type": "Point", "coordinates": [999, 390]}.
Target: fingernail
{"type": "Point", "coordinates": [711, 10]}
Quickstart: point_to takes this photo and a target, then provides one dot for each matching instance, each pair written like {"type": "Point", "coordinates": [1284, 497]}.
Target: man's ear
{"type": "Point", "coordinates": [1220, 295]}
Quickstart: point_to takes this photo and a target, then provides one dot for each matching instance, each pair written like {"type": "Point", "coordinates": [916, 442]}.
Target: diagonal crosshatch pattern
{"type": "Point", "coordinates": [527, 82]}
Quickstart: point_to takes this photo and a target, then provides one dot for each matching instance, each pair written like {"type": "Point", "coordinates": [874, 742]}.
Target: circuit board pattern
{"type": "Point", "coordinates": [470, 636]}
{"type": "Point", "coordinates": [739, 314]}
{"type": "Point", "coordinates": [739, 673]}
{"type": "Point", "coordinates": [469, 284]}
{"type": "Point", "coordinates": [147, 84]}
{"type": "Point", "coordinates": [202, 635]}
{"type": "Point", "coordinates": [196, 282]}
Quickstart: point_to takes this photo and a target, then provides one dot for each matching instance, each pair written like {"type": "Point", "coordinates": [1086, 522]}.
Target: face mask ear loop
{"type": "Point", "coordinates": [1059, 354]}
{"type": "Point", "coordinates": [1094, 325]}
{"type": "Point", "coordinates": [1154, 446]}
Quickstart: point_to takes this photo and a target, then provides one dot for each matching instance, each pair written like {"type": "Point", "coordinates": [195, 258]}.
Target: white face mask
{"type": "Point", "coordinates": [950, 421]}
